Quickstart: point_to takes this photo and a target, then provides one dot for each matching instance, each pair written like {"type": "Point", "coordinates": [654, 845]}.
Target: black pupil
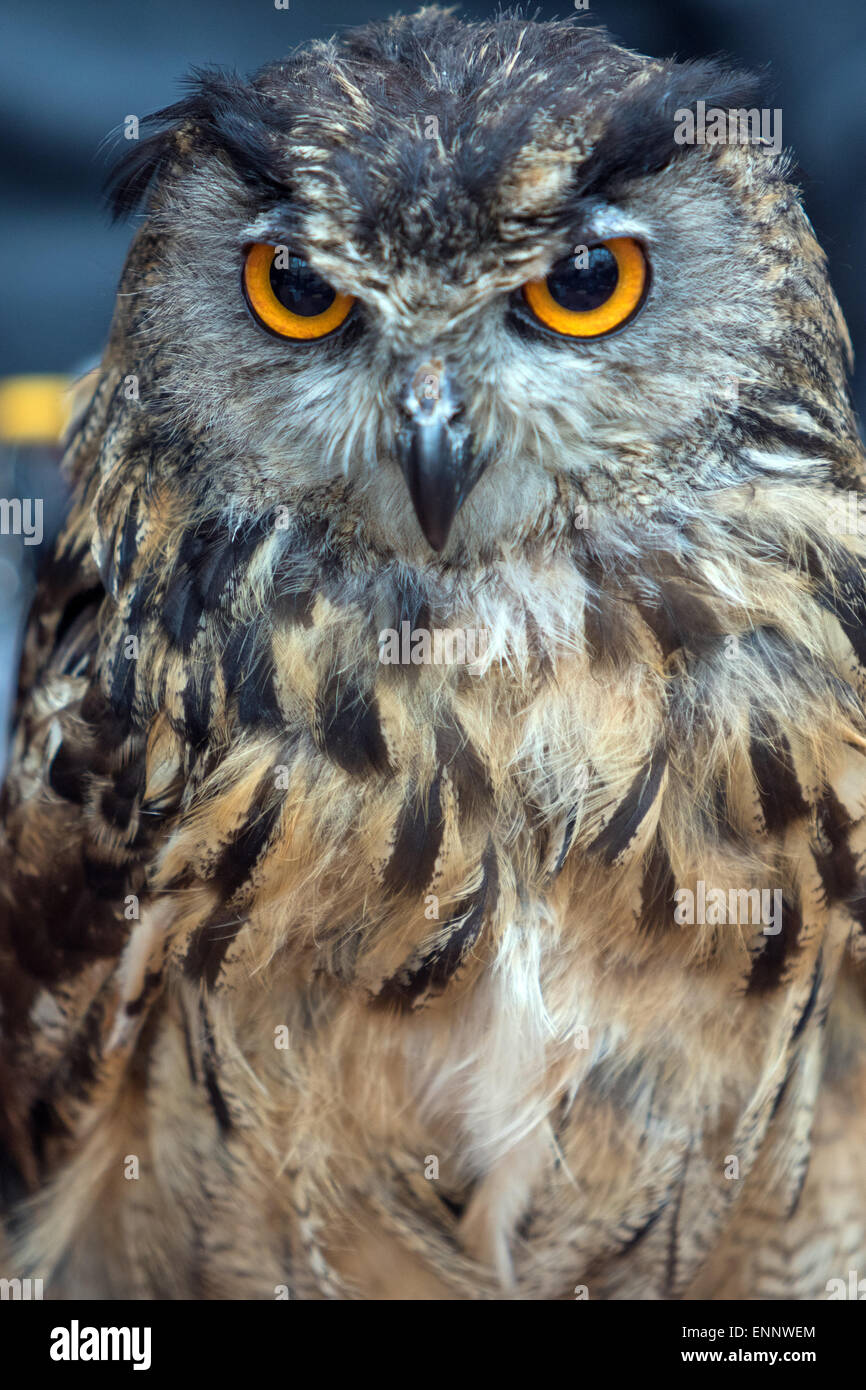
{"type": "Point", "coordinates": [299, 288]}
{"type": "Point", "coordinates": [580, 288]}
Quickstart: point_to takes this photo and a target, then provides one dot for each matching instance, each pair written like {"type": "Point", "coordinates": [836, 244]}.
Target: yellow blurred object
{"type": "Point", "coordinates": [35, 409]}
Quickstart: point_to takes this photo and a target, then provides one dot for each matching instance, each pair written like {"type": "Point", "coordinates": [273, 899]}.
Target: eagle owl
{"type": "Point", "coordinates": [339, 966]}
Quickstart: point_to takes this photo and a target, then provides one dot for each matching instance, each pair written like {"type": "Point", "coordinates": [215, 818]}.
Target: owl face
{"type": "Point", "coordinates": [459, 284]}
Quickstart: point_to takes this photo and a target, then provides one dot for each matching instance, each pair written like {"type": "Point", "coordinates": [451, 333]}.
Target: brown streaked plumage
{"type": "Point", "coordinates": [375, 969]}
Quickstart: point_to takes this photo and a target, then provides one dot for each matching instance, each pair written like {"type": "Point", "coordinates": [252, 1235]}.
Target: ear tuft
{"type": "Point", "coordinates": [639, 138]}
{"type": "Point", "coordinates": [143, 160]}
{"type": "Point", "coordinates": [226, 114]}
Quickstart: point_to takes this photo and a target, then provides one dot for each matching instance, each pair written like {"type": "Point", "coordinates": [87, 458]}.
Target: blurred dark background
{"type": "Point", "coordinates": [71, 72]}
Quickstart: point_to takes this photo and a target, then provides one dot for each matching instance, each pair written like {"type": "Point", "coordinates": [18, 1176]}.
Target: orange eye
{"type": "Point", "coordinates": [593, 292]}
{"type": "Point", "coordinates": [288, 297]}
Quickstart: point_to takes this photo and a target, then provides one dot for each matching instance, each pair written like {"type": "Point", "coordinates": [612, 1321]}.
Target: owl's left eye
{"type": "Point", "coordinates": [288, 297]}
{"type": "Point", "coordinates": [593, 292]}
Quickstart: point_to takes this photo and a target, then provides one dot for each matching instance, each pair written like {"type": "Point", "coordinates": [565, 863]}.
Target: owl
{"type": "Point", "coordinates": [432, 850]}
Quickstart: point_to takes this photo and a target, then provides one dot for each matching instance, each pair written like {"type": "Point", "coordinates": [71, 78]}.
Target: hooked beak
{"type": "Point", "coordinates": [435, 450]}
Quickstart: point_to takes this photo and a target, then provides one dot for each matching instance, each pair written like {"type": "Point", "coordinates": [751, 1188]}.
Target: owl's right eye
{"type": "Point", "coordinates": [288, 297]}
{"type": "Point", "coordinates": [592, 297]}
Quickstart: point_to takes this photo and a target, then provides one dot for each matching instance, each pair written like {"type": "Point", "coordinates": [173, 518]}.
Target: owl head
{"type": "Point", "coordinates": [464, 288]}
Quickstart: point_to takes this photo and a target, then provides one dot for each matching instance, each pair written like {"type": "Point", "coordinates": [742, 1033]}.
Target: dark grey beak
{"type": "Point", "coordinates": [435, 450]}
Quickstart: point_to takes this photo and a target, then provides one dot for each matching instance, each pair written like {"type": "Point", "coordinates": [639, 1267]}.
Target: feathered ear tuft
{"type": "Point", "coordinates": [639, 138]}
{"type": "Point", "coordinates": [226, 113]}
{"type": "Point", "coordinates": [145, 158]}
